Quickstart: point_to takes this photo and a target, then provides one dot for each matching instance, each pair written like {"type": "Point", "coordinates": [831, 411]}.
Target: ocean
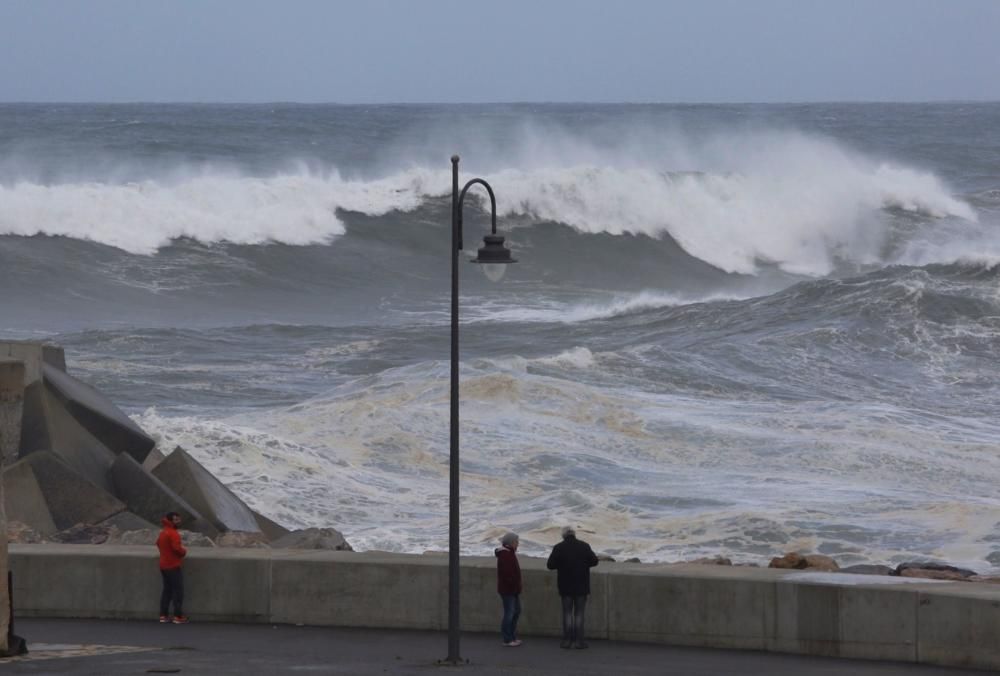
{"type": "Point", "coordinates": [733, 329]}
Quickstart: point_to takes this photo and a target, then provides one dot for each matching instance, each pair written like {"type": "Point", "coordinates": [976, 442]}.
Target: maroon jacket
{"type": "Point", "coordinates": [508, 572]}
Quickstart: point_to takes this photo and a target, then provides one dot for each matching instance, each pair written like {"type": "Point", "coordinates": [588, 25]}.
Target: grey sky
{"type": "Point", "coordinates": [511, 50]}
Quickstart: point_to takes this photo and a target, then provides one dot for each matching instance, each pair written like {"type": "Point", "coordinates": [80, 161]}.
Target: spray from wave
{"type": "Point", "coordinates": [799, 202]}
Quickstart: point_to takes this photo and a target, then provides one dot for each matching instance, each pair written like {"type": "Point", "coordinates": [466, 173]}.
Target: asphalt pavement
{"type": "Point", "coordinates": [110, 648]}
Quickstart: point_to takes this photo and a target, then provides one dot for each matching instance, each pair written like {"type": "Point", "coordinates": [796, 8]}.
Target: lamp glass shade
{"type": "Point", "coordinates": [494, 271]}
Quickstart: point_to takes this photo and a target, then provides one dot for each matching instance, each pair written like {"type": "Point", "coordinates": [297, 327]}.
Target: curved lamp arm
{"type": "Point", "coordinates": [461, 199]}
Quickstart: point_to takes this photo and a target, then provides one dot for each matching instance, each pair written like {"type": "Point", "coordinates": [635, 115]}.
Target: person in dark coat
{"type": "Point", "coordinates": [509, 587]}
{"type": "Point", "coordinates": [573, 559]}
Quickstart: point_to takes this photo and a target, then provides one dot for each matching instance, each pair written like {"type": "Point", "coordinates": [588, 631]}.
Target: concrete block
{"type": "Point", "coordinates": [70, 498]}
{"type": "Point", "coordinates": [959, 625]}
{"type": "Point", "coordinates": [74, 445]}
{"type": "Point", "coordinates": [24, 501]}
{"type": "Point", "coordinates": [98, 414]}
{"type": "Point", "coordinates": [153, 459]}
{"type": "Point", "coordinates": [206, 494]}
{"type": "Point", "coordinates": [711, 606]}
{"type": "Point", "coordinates": [34, 354]}
{"type": "Point", "coordinates": [150, 498]}
{"type": "Point", "coordinates": [11, 409]}
{"type": "Point", "coordinates": [271, 530]}
{"type": "Point", "coordinates": [857, 621]}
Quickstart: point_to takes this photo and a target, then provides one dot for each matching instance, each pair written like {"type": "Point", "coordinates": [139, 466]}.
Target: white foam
{"type": "Point", "coordinates": [731, 200]}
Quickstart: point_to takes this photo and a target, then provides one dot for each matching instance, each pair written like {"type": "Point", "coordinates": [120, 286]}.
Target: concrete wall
{"type": "Point", "coordinates": [948, 623]}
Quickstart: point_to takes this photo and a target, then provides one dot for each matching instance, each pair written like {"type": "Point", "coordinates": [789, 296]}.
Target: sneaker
{"type": "Point", "coordinates": [581, 645]}
{"type": "Point", "coordinates": [512, 644]}
{"type": "Point", "coordinates": [181, 619]}
{"type": "Point", "coordinates": [164, 619]}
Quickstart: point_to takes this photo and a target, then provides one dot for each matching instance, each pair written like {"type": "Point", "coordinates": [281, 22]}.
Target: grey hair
{"type": "Point", "coordinates": [568, 531]}
{"type": "Point", "coordinates": [509, 538]}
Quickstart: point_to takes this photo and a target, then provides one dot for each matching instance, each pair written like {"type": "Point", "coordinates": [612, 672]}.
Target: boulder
{"type": "Point", "coordinates": [149, 536]}
{"type": "Point", "coordinates": [867, 569]}
{"type": "Point", "coordinates": [69, 498]}
{"type": "Point", "coordinates": [97, 414]}
{"type": "Point", "coordinates": [606, 557]}
{"type": "Point", "coordinates": [928, 574]}
{"type": "Point", "coordinates": [23, 534]}
{"type": "Point", "coordinates": [242, 540]}
{"type": "Point", "coordinates": [85, 534]}
{"type": "Point", "coordinates": [990, 579]}
{"type": "Point", "coordinates": [932, 567]}
{"type": "Point", "coordinates": [821, 563]}
{"type": "Point", "coordinates": [712, 561]}
{"type": "Point", "coordinates": [206, 494]}
{"type": "Point", "coordinates": [269, 528]}
{"type": "Point", "coordinates": [126, 521]}
{"type": "Point", "coordinates": [316, 538]}
{"type": "Point", "coordinates": [150, 498]}
{"type": "Point", "coordinates": [791, 560]}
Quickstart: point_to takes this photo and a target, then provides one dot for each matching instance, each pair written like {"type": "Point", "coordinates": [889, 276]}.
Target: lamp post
{"type": "Point", "coordinates": [494, 257]}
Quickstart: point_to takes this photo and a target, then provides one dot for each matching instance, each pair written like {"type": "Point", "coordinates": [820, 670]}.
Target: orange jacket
{"type": "Point", "coordinates": [172, 552]}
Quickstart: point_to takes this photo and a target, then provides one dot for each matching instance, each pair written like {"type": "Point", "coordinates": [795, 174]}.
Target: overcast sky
{"type": "Point", "coordinates": [375, 51]}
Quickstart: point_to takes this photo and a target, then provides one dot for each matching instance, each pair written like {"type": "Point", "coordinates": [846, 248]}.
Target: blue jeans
{"type": "Point", "coordinates": [573, 608]}
{"type": "Point", "coordinates": [511, 612]}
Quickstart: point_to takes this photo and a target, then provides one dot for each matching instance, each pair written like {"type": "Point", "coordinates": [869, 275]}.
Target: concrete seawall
{"type": "Point", "coordinates": [946, 623]}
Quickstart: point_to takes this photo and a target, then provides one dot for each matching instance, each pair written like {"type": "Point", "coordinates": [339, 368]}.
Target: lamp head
{"type": "Point", "coordinates": [494, 257]}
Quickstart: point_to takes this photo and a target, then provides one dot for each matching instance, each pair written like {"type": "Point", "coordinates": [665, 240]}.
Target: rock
{"type": "Point", "coordinates": [98, 414]}
{"type": "Point", "coordinates": [989, 579]}
{"type": "Point", "coordinates": [634, 559]}
{"type": "Point", "coordinates": [928, 574]}
{"type": "Point", "coordinates": [217, 504]}
{"type": "Point", "coordinates": [791, 560]}
{"type": "Point", "coordinates": [83, 534]}
{"type": "Point", "coordinates": [712, 561]}
{"type": "Point", "coordinates": [605, 557]}
{"type": "Point", "coordinates": [148, 537]}
{"type": "Point", "coordinates": [269, 528]}
{"type": "Point", "coordinates": [242, 540]}
{"type": "Point", "coordinates": [314, 538]}
{"type": "Point", "coordinates": [69, 498]}
{"type": "Point", "coordinates": [20, 533]}
{"type": "Point", "coordinates": [933, 567]}
{"type": "Point", "coordinates": [821, 563]}
{"type": "Point", "coordinates": [150, 498]}
{"type": "Point", "coordinates": [868, 569]}
{"type": "Point", "coordinates": [126, 521]}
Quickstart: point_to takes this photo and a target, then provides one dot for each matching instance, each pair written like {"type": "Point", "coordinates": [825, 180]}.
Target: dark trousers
{"type": "Point", "coordinates": [573, 609]}
{"type": "Point", "coordinates": [173, 590]}
{"type": "Point", "coordinates": [511, 613]}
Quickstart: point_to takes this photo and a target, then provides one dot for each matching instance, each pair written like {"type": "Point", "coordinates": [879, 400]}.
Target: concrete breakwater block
{"type": "Point", "coordinates": [24, 501]}
{"type": "Point", "coordinates": [98, 414]}
{"type": "Point", "coordinates": [150, 498]}
{"type": "Point", "coordinates": [206, 494]}
{"type": "Point", "coordinates": [68, 497]}
{"type": "Point", "coordinates": [272, 531]}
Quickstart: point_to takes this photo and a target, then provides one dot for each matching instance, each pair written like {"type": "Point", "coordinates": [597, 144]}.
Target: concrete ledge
{"type": "Point", "coordinates": [945, 623]}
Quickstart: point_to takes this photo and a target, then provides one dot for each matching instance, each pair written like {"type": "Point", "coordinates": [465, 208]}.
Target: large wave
{"type": "Point", "coordinates": [788, 199]}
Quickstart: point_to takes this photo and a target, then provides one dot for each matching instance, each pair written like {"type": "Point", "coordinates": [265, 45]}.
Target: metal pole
{"type": "Point", "coordinates": [453, 570]}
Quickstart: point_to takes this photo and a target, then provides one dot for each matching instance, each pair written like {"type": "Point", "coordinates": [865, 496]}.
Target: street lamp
{"type": "Point", "coordinates": [494, 257]}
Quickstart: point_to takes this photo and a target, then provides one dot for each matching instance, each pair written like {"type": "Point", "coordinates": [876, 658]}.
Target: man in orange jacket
{"type": "Point", "coordinates": [172, 555]}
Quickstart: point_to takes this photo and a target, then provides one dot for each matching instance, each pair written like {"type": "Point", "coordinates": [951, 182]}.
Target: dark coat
{"type": "Point", "coordinates": [508, 572]}
{"type": "Point", "coordinates": [573, 559]}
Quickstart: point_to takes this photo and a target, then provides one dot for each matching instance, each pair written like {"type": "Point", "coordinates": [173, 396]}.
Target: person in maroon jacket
{"type": "Point", "coordinates": [509, 587]}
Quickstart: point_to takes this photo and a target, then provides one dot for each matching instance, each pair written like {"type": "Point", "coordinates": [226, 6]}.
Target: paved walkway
{"type": "Point", "coordinates": [109, 648]}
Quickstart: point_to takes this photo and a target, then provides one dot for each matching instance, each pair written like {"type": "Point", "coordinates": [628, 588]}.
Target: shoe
{"type": "Point", "coordinates": [566, 644]}
{"type": "Point", "coordinates": [581, 645]}
{"type": "Point", "coordinates": [164, 619]}
{"type": "Point", "coordinates": [180, 619]}
{"type": "Point", "coordinates": [512, 644]}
